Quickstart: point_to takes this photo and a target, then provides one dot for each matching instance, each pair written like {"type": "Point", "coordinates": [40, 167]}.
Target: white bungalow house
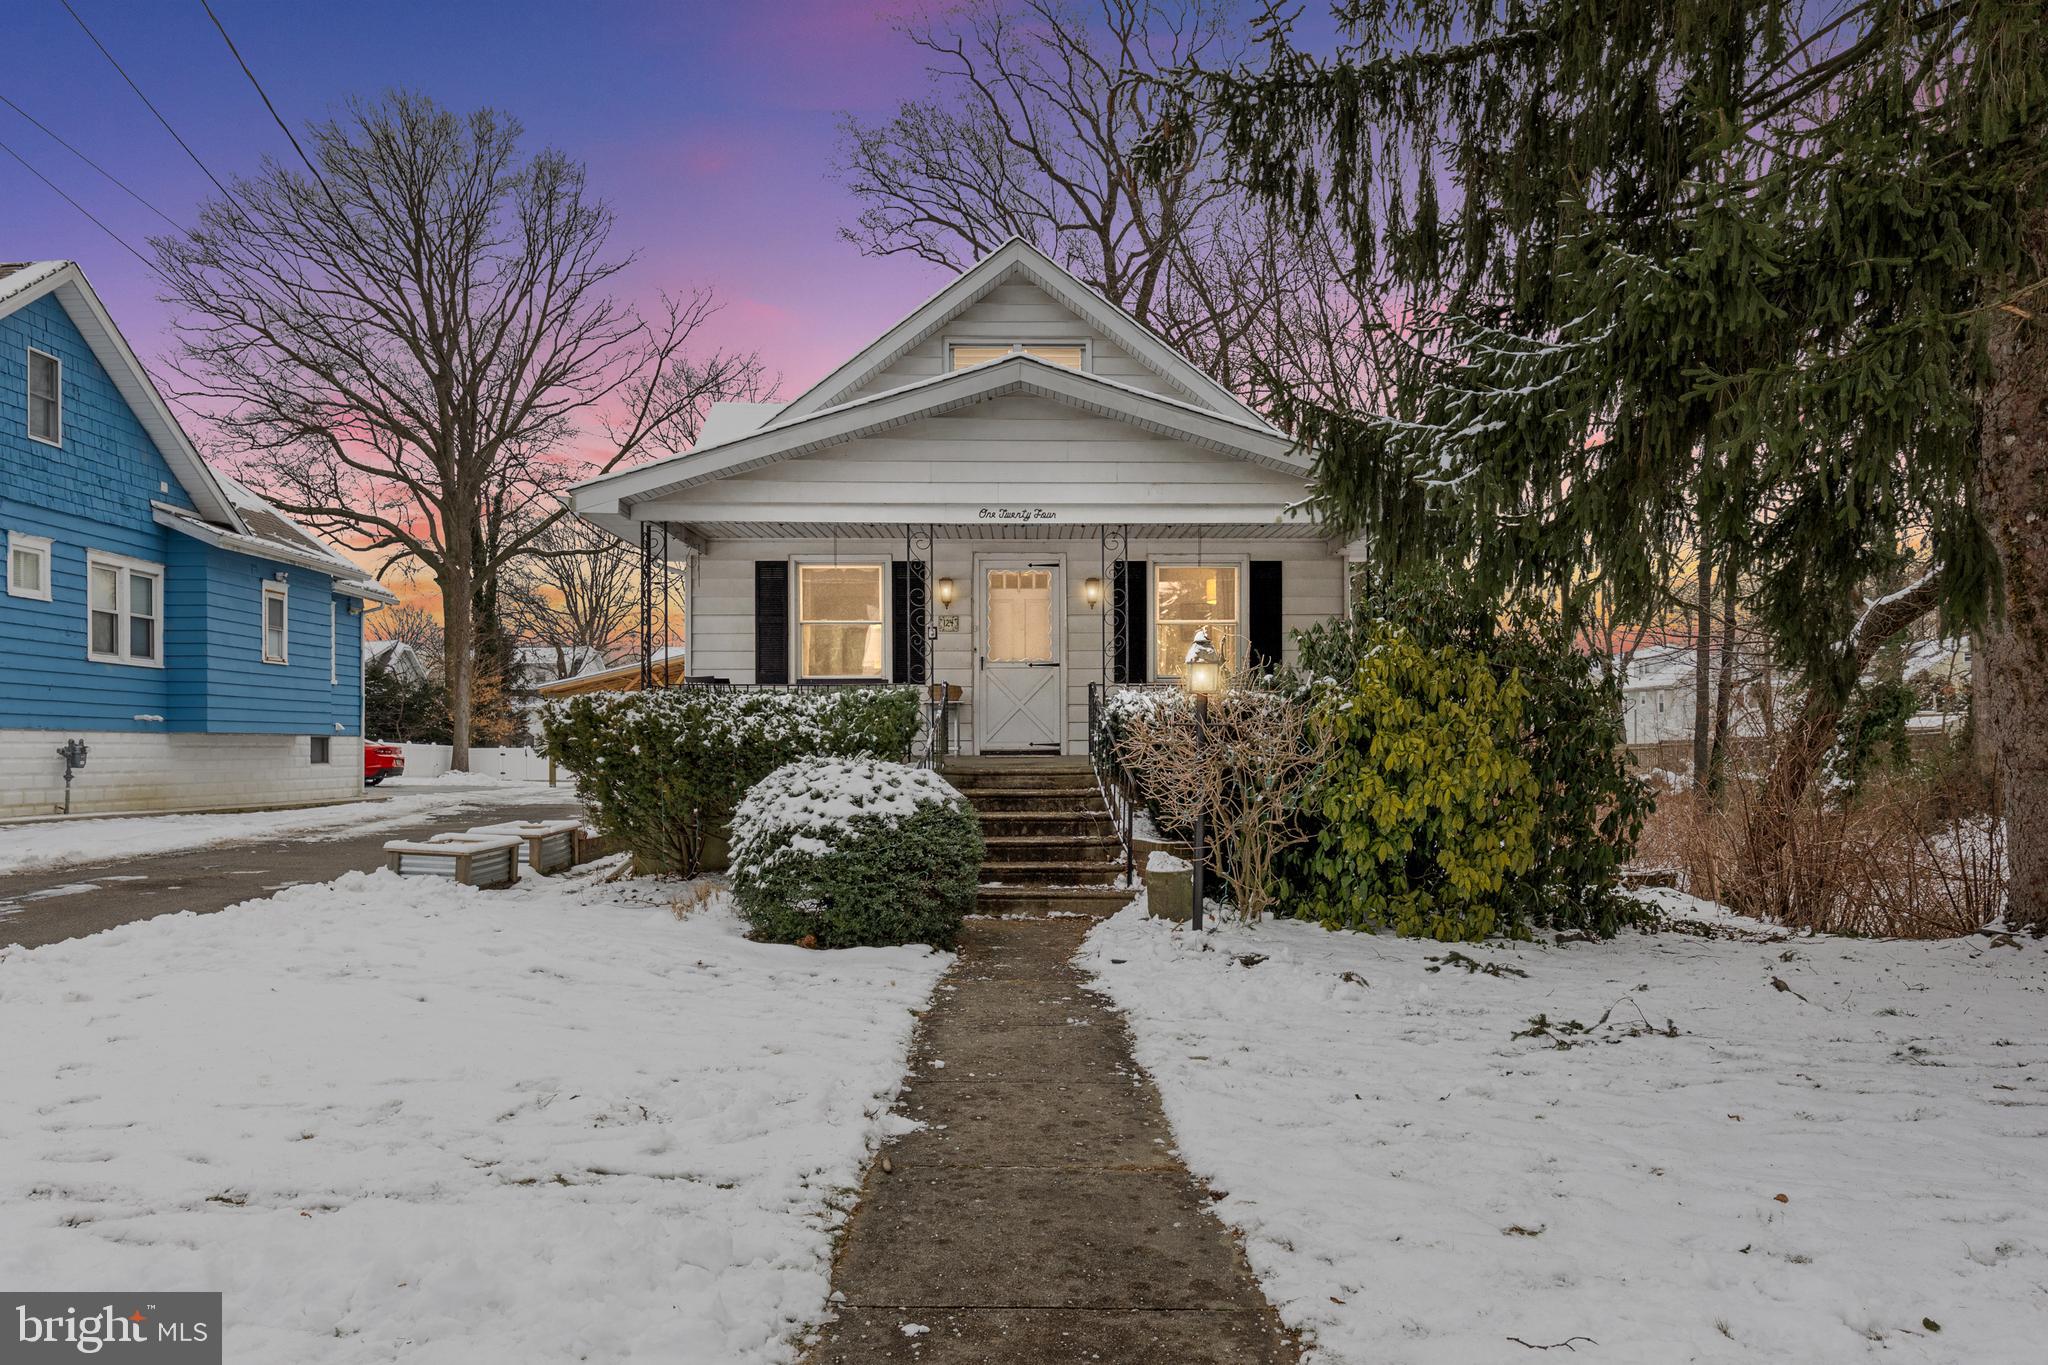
{"type": "Point", "coordinates": [1017, 489]}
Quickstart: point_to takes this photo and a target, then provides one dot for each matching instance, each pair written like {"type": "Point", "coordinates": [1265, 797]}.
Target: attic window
{"type": "Point", "coordinates": [45, 398]}
{"type": "Point", "coordinates": [1072, 355]}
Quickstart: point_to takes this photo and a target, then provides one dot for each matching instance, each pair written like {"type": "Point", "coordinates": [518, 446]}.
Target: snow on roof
{"type": "Point", "coordinates": [1658, 666]}
{"type": "Point", "coordinates": [21, 276]}
{"type": "Point", "coordinates": [730, 421]}
{"type": "Point", "coordinates": [270, 534]}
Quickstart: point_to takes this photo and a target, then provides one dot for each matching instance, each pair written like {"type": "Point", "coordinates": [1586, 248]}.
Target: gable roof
{"type": "Point", "coordinates": [24, 284]}
{"type": "Point", "coordinates": [1022, 373]}
{"type": "Point", "coordinates": [1019, 258]}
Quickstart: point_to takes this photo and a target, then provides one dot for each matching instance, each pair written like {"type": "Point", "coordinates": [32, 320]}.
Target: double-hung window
{"type": "Point", "coordinates": [839, 619]}
{"type": "Point", "coordinates": [124, 610]}
{"type": "Point", "coordinates": [1189, 598]}
{"type": "Point", "coordinates": [28, 566]}
{"type": "Point", "coordinates": [45, 398]}
{"type": "Point", "coordinates": [276, 624]}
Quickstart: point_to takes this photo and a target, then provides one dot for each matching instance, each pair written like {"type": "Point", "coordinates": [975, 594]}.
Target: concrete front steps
{"type": "Point", "coordinates": [1052, 847]}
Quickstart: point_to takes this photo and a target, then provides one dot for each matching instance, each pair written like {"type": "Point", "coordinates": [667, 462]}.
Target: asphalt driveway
{"type": "Point", "coordinates": [44, 905]}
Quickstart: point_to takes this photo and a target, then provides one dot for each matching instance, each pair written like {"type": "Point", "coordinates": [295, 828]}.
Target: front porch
{"type": "Point", "coordinates": [1016, 618]}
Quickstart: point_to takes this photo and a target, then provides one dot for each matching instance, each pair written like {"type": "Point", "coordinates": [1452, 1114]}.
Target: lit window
{"type": "Point", "coordinates": [276, 615]}
{"type": "Point", "coordinates": [1188, 598]}
{"type": "Point", "coordinates": [28, 566]}
{"type": "Point", "coordinates": [124, 610]}
{"type": "Point", "coordinates": [1067, 355]}
{"type": "Point", "coordinates": [1020, 616]}
{"type": "Point", "coordinates": [839, 620]}
{"type": "Point", "coordinates": [45, 397]}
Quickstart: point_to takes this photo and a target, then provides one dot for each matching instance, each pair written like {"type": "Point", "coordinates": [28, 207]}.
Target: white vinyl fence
{"type": "Point", "coordinates": [519, 765]}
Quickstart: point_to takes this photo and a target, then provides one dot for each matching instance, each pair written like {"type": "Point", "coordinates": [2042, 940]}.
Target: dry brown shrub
{"type": "Point", "coordinates": [1913, 855]}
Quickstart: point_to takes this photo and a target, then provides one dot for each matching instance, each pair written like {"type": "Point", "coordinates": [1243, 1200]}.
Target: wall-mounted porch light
{"type": "Point", "coordinates": [945, 591]}
{"type": "Point", "coordinates": [1091, 592]}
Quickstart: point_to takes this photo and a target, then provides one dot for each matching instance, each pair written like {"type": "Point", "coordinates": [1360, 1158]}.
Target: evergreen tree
{"type": "Point", "coordinates": [1777, 267]}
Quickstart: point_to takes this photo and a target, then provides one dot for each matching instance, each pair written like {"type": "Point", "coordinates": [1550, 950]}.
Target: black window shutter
{"type": "Point", "coordinates": [1130, 617]}
{"type": "Point", "coordinates": [771, 621]}
{"type": "Point", "coordinates": [1263, 632]}
{"type": "Point", "coordinates": [899, 613]}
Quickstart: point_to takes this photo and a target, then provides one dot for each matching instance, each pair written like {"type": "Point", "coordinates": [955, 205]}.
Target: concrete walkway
{"type": "Point", "coordinates": [1041, 1215]}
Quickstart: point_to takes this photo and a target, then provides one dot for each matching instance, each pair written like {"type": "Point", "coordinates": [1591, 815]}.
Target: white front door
{"type": "Point", "coordinates": [1021, 694]}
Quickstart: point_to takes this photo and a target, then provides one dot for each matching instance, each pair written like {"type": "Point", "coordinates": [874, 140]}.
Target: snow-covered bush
{"type": "Point", "coordinates": [664, 770]}
{"type": "Point", "coordinates": [845, 852]}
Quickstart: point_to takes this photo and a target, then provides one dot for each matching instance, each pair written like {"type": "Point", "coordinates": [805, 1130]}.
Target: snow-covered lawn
{"type": "Point", "coordinates": [398, 1119]}
{"type": "Point", "coordinates": [1801, 1174]}
{"type": "Point", "coordinates": [60, 843]}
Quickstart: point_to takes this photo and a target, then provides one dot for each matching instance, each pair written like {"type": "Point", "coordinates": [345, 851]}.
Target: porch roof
{"type": "Point", "coordinates": [696, 533]}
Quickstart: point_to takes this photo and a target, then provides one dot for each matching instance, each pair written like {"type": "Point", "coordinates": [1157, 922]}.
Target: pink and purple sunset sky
{"type": "Point", "coordinates": [708, 127]}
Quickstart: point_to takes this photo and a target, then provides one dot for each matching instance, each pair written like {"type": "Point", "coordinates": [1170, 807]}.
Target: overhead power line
{"type": "Point", "coordinates": [208, 171]}
{"type": "Point", "coordinates": [275, 117]}
{"type": "Point", "coordinates": [116, 180]}
{"type": "Point", "coordinates": [59, 192]}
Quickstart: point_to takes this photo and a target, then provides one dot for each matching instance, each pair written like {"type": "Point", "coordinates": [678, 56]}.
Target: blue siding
{"type": "Point", "coordinates": [226, 685]}
{"type": "Point", "coordinates": [107, 468]}
{"type": "Point", "coordinates": [93, 492]}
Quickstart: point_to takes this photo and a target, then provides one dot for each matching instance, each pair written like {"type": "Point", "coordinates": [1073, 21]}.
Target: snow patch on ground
{"type": "Point", "coordinates": [398, 1119]}
{"type": "Point", "coordinates": [60, 843]}
{"type": "Point", "coordinates": [1415, 1183]}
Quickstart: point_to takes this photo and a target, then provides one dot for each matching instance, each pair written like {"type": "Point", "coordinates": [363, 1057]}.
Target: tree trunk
{"type": "Point", "coordinates": [459, 650]}
{"type": "Point", "coordinates": [1767, 881]}
{"type": "Point", "coordinates": [1702, 676]}
{"type": "Point", "coordinates": [1724, 689]}
{"type": "Point", "coordinates": [2012, 491]}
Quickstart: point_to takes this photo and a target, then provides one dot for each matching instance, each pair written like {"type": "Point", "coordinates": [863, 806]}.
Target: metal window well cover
{"type": "Point", "coordinates": [555, 839]}
{"type": "Point", "coordinates": [493, 857]}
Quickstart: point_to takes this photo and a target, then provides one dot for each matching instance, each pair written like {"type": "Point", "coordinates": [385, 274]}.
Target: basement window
{"type": "Point", "coordinates": [1073, 355]}
{"type": "Point", "coordinates": [322, 749]}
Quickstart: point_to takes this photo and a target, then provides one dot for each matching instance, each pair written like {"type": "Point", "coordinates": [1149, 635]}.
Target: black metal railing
{"type": "Point", "coordinates": [1119, 789]}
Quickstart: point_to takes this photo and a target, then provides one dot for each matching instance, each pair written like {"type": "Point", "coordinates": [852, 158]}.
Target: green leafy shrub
{"type": "Point", "coordinates": [1590, 805]}
{"type": "Point", "coordinates": [847, 852]}
{"type": "Point", "coordinates": [1427, 804]}
{"type": "Point", "coordinates": [663, 771]}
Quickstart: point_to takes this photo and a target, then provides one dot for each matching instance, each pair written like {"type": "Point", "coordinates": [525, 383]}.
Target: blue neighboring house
{"type": "Point", "coordinates": [204, 648]}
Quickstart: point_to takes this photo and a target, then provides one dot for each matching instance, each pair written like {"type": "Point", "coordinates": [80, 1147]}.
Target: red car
{"type": "Point", "coordinates": [381, 761]}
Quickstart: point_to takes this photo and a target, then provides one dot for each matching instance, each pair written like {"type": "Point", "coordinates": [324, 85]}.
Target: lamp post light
{"type": "Point", "coordinates": [1204, 679]}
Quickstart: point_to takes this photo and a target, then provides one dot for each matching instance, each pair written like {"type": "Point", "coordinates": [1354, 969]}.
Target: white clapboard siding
{"type": "Point", "coordinates": [722, 600]}
{"type": "Point", "coordinates": [1017, 311]}
{"type": "Point", "coordinates": [1001, 452]}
